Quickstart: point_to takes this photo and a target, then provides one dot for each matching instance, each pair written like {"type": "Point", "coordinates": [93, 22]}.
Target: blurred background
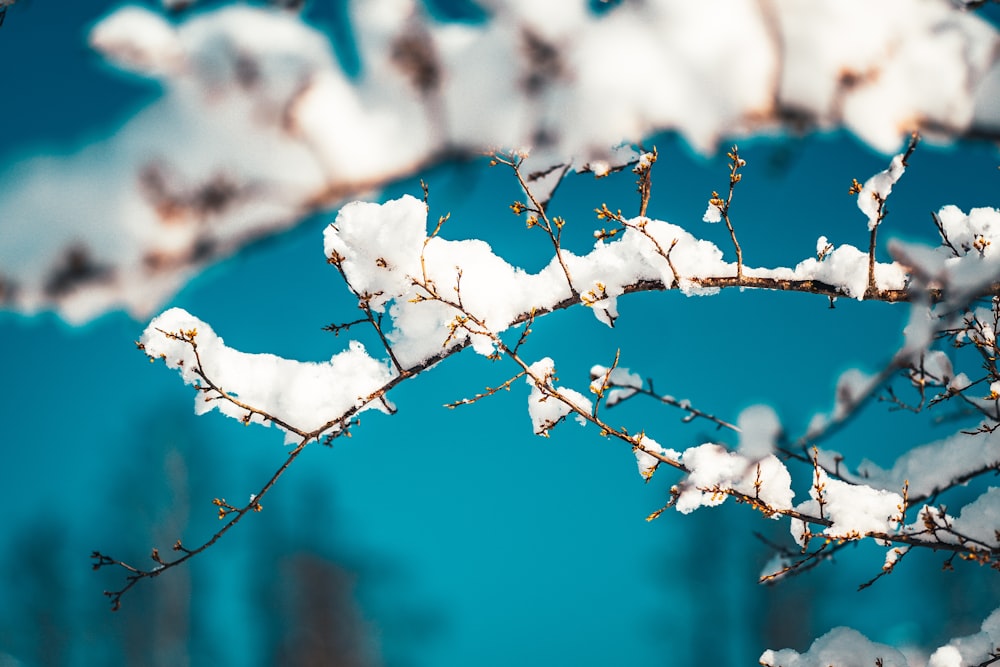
{"type": "Point", "coordinates": [440, 537]}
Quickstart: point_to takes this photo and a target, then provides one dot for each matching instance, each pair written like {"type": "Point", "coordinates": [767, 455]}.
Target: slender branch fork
{"type": "Point", "coordinates": [683, 405]}
{"type": "Point", "coordinates": [735, 164]}
{"type": "Point", "coordinates": [872, 289]}
{"type": "Point", "coordinates": [236, 514]}
{"type": "Point", "coordinates": [325, 433]}
{"type": "Point", "coordinates": [538, 217]}
{"type": "Point", "coordinates": [468, 322]}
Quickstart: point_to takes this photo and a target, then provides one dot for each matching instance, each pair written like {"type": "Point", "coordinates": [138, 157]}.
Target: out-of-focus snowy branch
{"type": "Point", "coordinates": [843, 646]}
{"type": "Point", "coordinates": [259, 126]}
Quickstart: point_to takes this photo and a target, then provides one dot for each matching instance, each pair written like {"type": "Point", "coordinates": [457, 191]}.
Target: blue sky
{"type": "Point", "coordinates": [468, 539]}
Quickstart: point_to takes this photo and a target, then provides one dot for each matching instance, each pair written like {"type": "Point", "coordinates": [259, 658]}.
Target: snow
{"type": "Point", "coordinates": [966, 263]}
{"type": "Point", "coordinates": [847, 647]}
{"type": "Point", "coordinates": [388, 259]}
{"type": "Point", "coordinates": [854, 510]}
{"type": "Point", "coordinates": [935, 465]}
{"type": "Point", "coordinates": [823, 248]}
{"type": "Point", "coordinates": [644, 460]}
{"type": "Point", "coordinates": [759, 430]}
{"type": "Point", "coordinates": [255, 104]}
{"type": "Point", "coordinates": [139, 40]}
{"type": "Point", "coordinates": [845, 267]}
{"type": "Point", "coordinates": [946, 656]}
{"type": "Point", "coordinates": [853, 385]}
{"type": "Point", "coordinates": [840, 646]}
{"type": "Point", "coordinates": [714, 470]}
{"type": "Point", "coordinates": [959, 383]}
{"type": "Point", "coordinates": [545, 407]}
{"type": "Point", "coordinates": [305, 395]}
{"type": "Point", "coordinates": [892, 556]}
{"type": "Point", "coordinates": [876, 191]}
{"type": "Point", "coordinates": [380, 246]}
{"type": "Point", "coordinates": [496, 292]}
{"type": "Point", "coordinates": [975, 527]}
{"type": "Point", "coordinates": [440, 293]}
{"type": "Point", "coordinates": [991, 627]}
{"type": "Point", "coordinates": [980, 519]}
{"type": "Point", "coordinates": [934, 369]}
{"type": "Point", "coordinates": [775, 568]}
{"type": "Point", "coordinates": [626, 383]}
{"type": "Point", "coordinates": [973, 649]}
{"type": "Point", "coordinates": [253, 99]}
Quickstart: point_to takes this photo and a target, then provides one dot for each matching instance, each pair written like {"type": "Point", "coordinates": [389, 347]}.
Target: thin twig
{"type": "Point", "coordinates": [693, 412]}
{"type": "Point", "coordinates": [137, 574]}
{"type": "Point", "coordinates": [552, 227]}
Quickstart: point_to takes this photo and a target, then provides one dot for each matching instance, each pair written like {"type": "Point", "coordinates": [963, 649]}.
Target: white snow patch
{"type": "Point", "coordinates": [855, 509]}
{"type": "Point", "coordinates": [714, 470]}
{"type": "Point", "coordinates": [305, 395]}
{"type": "Point", "coordinates": [548, 406]}
{"type": "Point", "coordinates": [840, 646]}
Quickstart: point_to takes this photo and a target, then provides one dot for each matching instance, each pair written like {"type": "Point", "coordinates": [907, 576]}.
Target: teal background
{"type": "Point", "coordinates": [448, 537]}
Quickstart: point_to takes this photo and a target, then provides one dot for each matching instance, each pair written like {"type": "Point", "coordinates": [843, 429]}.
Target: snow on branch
{"type": "Point", "coordinates": [428, 297]}
{"type": "Point", "coordinates": [258, 125]}
{"type": "Point", "coordinates": [264, 388]}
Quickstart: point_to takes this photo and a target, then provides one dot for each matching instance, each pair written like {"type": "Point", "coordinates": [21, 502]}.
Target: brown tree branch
{"type": "Point", "coordinates": [137, 574]}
